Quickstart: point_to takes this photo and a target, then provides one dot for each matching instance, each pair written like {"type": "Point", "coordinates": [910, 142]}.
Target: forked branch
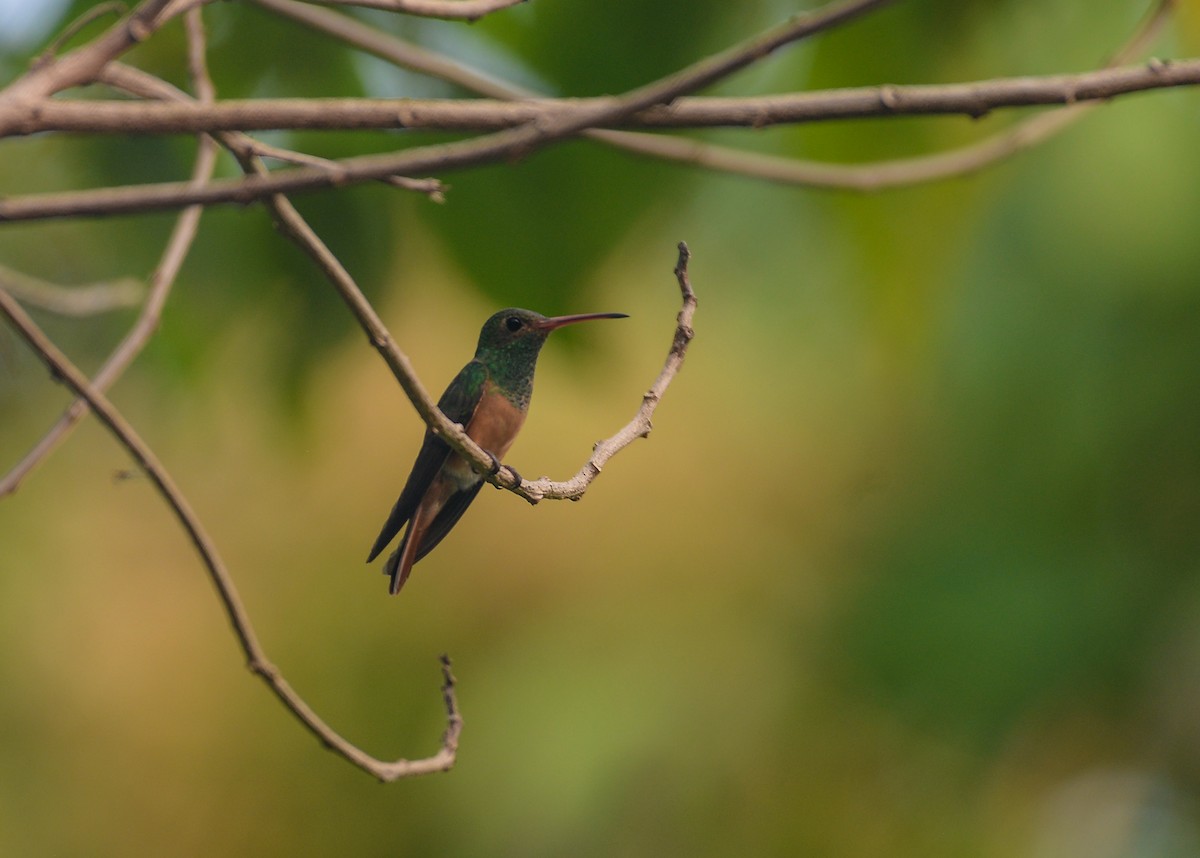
{"type": "Point", "coordinates": [860, 177]}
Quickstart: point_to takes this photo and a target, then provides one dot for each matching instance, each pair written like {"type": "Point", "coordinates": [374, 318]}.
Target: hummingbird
{"type": "Point", "coordinates": [490, 398]}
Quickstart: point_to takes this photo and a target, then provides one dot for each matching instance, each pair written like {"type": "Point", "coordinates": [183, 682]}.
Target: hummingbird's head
{"type": "Point", "coordinates": [509, 345]}
{"type": "Point", "coordinates": [515, 331]}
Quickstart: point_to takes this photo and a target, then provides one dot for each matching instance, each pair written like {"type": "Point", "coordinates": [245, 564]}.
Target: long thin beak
{"type": "Point", "coordinates": [558, 321]}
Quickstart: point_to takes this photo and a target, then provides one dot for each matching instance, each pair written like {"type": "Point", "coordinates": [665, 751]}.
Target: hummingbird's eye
{"type": "Point", "coordinates": [513, 323]}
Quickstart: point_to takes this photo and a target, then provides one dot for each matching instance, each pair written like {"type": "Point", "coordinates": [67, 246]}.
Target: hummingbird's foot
{"type": "Point", "coordinates": [497, 464]}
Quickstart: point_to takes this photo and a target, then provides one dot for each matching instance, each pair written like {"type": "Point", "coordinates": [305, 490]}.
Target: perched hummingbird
{"type": "Point", "coordinates": [489, 397]}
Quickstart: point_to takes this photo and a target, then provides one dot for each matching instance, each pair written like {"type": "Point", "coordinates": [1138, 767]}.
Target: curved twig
{"type": "Point", "coordinates": [640, 426]}
{"type": "Point", "coordinates": [84, 300]}
{"type": "Point", "coordinates": [62, 368]}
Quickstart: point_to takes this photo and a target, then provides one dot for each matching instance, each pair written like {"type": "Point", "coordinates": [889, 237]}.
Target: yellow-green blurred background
{"type": "Point", "coordinates": [908, 566]}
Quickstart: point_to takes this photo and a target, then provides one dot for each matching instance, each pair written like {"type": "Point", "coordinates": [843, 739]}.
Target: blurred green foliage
{"type": "Point", "coordinates": [907, 568]}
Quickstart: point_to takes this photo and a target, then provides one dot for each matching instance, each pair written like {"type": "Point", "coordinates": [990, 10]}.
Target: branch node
{"type": "Point", "coordinates": [533, 492]}
{"type": "Point", "coordinates": [889, 97]}
{"type": "Point", "coordinates": [379, 340]}
{"type": "Point", "coordinates": [139, 30]}
{"type": "Point", "coordinates": [264, 669]}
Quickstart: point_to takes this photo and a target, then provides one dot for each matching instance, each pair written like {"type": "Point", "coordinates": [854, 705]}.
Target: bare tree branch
{"type": "Point", "coordinates": [973, 99]}
{"type": "Point", "coordinates": [161, 282]}
{"type": "Point", "coordinates": [54, 74]}
{"type": "Point", "coordinates": [293, 225]}
{"type": "Point", "coordinates": [392, 49]}
{"type": "Point", "coordinates": [902, 172]}
{"type": "Point", "coordinates": [510, 143]}
{"type": "Point", "coordinates": [519, 106]}
{"type": "Point", "coordinates": [859, 177]}
{"type": "Point", "coordinates": [435, 189]}
{"type": "Point", "coordinates": [132, 344]}
{"type": "Point", "coordinates": [470, 10]}
{"type": "Point", "coordinates": [62, 368]}
{"type": "Point", "coordinates": [640, 425]}
{"type": "Point", "coordinates": [84, 300]}
{"type": "Point", "coordinates": [563, 121]}
{"type": "Point", "coordinates": [73, 28]}
{"type": "Point", "coordinates": [178, 7]}
{"type": "Point", "coordinates": [522, 123]}
{"type": "Point", "coordinates": [862, 177]}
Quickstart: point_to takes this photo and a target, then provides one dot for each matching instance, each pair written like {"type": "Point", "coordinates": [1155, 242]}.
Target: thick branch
{"type": "Point", "coordinates": [970, 99]}
{"type": "Point", "coordinates": [565, 120]}
{"type": "Point", "coordinates": [508, 144]}
{"type": "Point", "coordinates": [878, 175]}
{"type": "Point", "coordinates": [861, 177]}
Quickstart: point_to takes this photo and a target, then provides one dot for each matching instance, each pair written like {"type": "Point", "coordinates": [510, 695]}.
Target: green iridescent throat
{"type": "Point", "coordinates": [511, 365]}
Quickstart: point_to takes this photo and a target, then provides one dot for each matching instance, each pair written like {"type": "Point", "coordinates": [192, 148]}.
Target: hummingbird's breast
{"type": "Point", "coordinates": [495, 423]}
{"type": "Point", "coordinates": [494, 427]}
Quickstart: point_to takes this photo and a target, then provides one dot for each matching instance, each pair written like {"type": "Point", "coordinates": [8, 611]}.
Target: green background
{"type": "Point", "coordinates": [908, 566]}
